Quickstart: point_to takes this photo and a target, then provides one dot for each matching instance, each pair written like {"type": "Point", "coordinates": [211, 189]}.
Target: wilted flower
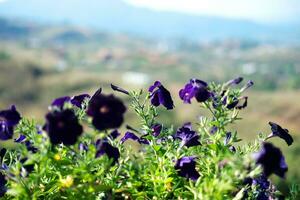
{"type": "Point", "coordinates": [3, 182]}
{"type": "Point", "coordinates": [106, 110]}
{"type": "Point", "coordinates": [234, 81]}
{"type": "Point", "coordinates": [271, 160]}
{"type": "Point", "coordinates": [117, 88]}
{"type": "Point", "coordinates": [160, 96]}
{"type": "Point", "coordinates": [104, 147]}
{"type": "Point", "coordinates": [249, 84]}
{"type": "Point", "coordinates": [20, 139]}
{"type": "Point", "coordinates": [83, 147]}
{"type": "Point", "coordinates": [235, 103]}
{"type": "Point", "coordinates": [213, 130]}
{"type": "Point", "coordinates": [195, 88]}
{"type": "Point", "coordinates": [63, 127]}
{"type": "Point", "coordinates": [186, 167]}
{"type": "Point", "coordinates": [8, 120]}
{"type": "Point", "coordinates": [280, 132]}
{"type": "Point", "coordinates": [129, 135]}
{"type": "Point", "coordinates": [79, 99]}
{"type": "Point", "coordinates": [188, 137]}
{"type": "Point", "coordinates": [156, 129]}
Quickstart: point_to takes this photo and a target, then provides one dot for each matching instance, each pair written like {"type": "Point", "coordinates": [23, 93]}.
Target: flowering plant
{"type": "Point", "coordinates": [77, 154]}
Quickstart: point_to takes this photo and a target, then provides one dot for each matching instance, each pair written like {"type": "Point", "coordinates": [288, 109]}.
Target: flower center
{"type": "Point", "coordinates": [104, 109]}
{"type": "Point", "coordinates": [60, 124]}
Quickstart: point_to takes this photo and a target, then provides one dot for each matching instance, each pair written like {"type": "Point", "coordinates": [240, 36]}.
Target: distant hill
{"type": "Point", "coordinates": [117, 16]}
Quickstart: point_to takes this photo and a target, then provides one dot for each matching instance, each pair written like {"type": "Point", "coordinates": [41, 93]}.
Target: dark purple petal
{"type": "Point", "coordinates": [114, 134]}
{"type": "Point", "coordinates": [59, 102]}
{"type": "Point", "coordinates": [129, 135]}
{"type": "Point", "coordinates": [280, 132]}
{"type": "Point", "coordinates": [3, 182]}
{"type": "Point", "coordinates": [186, 167]}
{"type": "Point", "coordinates": [155, 85]}
{"type": "Point", "coordinates": [245, 103]}
{"type": "Point", "coordinates": [271, 160]}
{"type": "Point", "coordinates": [143, 141]}
{"type": "Point", "coordinates": [233, 104]}
{"type": "Point", "coordinates": [109, 150]}
{"type": "Point", "coordinates": [20, 139]}
{"type": "Point", "coordinates": [156, 129]}
{"type": "Point", "coordinates": [160, 96]}
{"type": "Point", "coordinates": [116, 88]}
{"type": "Point", "coordinates": [79, 99]}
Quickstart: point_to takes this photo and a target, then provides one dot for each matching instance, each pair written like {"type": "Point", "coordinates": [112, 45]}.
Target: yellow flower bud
{"type": "Point", "coordinates": [67, 182]}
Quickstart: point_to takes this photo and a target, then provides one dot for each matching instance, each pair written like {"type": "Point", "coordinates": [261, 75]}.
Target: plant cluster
{"type": "Point", "coordinates": [79, 153]}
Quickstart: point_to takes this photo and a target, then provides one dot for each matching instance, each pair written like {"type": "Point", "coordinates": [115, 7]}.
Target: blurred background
{"type": "Point", "coordinates": [52, 48]}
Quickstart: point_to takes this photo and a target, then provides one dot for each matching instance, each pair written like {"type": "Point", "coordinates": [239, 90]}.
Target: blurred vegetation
{"type": "Point", "coordinates": [48, 62]}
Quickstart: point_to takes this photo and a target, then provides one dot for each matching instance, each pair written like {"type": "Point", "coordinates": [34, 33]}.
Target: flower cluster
{"type": "Point", "coordinates": [78, 152]}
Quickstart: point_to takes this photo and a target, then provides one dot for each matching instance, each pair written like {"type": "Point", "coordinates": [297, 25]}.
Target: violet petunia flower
{"type": "Point", "coordinates": [159, 95]}
{"type": "Point", "coordinates": [63, 127]}
{"type": "Point", "coordinates": [106, 111]}
{"type": "Point", "coordinates": [195, 88]}
{"type": "Point", "coordinates": [20, 139]}
{"type": "Point", "coordinates": [271, 160]}
{"type": "Point", "coordinates": [278, 131]}
{"type": "Point", "coordinates": [249, 84]}
{"type": "Point", "coordinates": [227, 138]}
{"type": "Point", "coordinates": [187, 136]}
{"type": "Point", "coordinates": [114, 134]}
{"type": "Point", "coordinates": [236, 103]}
{"type": "Point", "coordinates": [106, 148]}
{"type": "Point", "coordinates": [8, 120]}
{"type": "Point", "coordinates": [79, 99]}
{"type": "Point", "coordinates": [186, 167]}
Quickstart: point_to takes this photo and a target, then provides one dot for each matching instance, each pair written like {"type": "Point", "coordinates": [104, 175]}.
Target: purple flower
{"type": "Point", "coordinates": [8, 120]}
{"type": "Point", "coordinates": [3, 182]}
{"type": "Point", "coordinates": [271, 160]}
{"type": "Point", "coordinates": [116, 88]}
{"type": "Point", "coordinates": [280, 132]}
{"type": "Point", "coordinates": [109, 150]}
{"type": "Point", "coordinates": [63, 127]}
{"type": "Point", "coordinates": [160, 96]}
{"type": "Point", "coordinates": [187, 136]}
{"type": "Point", "coordinates": [60, 102]}
{"type": "Point", "coordinates": [195, 88]}
{"type": "Point", "coordinates": [186, 167]}
{"type": "Point", "coordinates": [129, 135]}
{"type": "Point", "coordinates": [106, 110]}
{"type": "Point", "coordinates": [79, 99]}
{"type": "Point", "coordinates": [156, 129]}
{"type": "Point", "coordinates": [114, 134]}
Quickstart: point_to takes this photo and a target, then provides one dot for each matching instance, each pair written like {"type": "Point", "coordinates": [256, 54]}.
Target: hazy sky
{"type": "Point", "coordinates": [258, 10]}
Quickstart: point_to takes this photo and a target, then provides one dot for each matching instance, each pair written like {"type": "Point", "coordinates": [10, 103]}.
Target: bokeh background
{"type": "Point", "coordinates": [52, 48]}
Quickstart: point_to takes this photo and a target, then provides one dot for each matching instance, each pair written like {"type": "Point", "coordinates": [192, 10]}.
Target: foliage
{"type": "Point", "coordinates": [49, 171]}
